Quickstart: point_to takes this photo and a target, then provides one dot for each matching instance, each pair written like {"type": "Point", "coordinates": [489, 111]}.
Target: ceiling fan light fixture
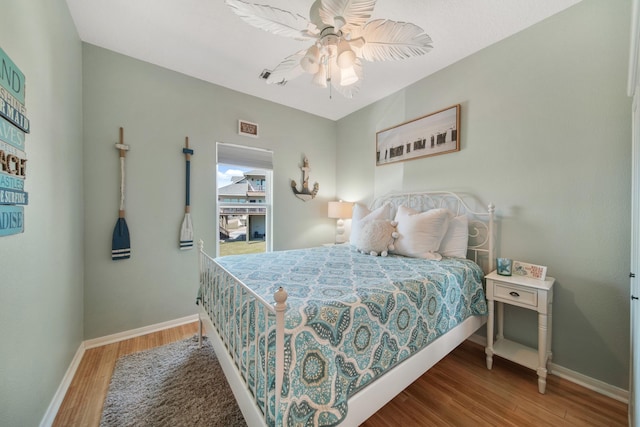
{"type": "Point", "coordinates": [343, 36]}
{"type": "Point", "coordinates": [330, 43]}
{"type": "Point", "coordinates": [346, 57]}
{"type": "Point", "coordinates": [348, 76]}
{"type": "Point", "coordinates": [320, 77]}
{"type": "Point", "coordinates": [310, 62]}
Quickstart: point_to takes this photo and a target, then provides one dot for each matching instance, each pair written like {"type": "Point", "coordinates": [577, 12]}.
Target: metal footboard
{"type": "Point", "coordinates": [252, 331]}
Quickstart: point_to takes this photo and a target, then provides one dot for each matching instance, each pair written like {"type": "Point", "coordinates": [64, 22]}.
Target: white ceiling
{"type": "Point", "coordinates": [206, 40]}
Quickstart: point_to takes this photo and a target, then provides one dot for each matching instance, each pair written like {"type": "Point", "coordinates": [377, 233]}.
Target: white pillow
{"type": "Point", "coordinates": [360, 214]}
{"type": "Point", "coordinates": [376, 237]}
{"type": "Point", "coordinates": [455, 241]}
{"type": "Point", "coordinates": [420, 233]}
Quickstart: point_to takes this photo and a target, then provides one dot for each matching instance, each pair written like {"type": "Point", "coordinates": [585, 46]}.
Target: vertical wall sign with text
{"type": "Point", "coordinates": [14, 126]}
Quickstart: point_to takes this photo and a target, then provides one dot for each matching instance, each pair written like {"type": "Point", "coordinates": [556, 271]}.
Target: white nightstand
{"type": "Point", "coordinates": [527, 293]}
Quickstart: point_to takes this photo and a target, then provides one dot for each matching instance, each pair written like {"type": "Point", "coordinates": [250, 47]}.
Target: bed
{"type": "Point", "coordinates": [328, 335]}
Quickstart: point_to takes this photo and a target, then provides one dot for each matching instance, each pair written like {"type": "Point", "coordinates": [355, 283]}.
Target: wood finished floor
{"type": "Point", "coordinates": [82, 405]}
{"type": "Point", "coordinates": [458, 391]}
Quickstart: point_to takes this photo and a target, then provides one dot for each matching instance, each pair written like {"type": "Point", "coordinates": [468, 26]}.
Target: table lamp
{"type": "Point", "coordinates": [340, 210]}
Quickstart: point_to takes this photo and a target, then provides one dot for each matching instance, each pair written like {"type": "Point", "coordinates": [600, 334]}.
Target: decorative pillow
{"type": "Point", "coordinates": [455, 241]}
{"type": "Point", "coordinates": [376, 237]}
{"type": "Point", "coordinates": [420, 233]}
{"type": "Point", "coordinates": [360, 214]}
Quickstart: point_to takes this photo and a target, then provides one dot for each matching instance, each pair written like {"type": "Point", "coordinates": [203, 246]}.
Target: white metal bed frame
{"type": "Point", "coordinates": [481, 249]}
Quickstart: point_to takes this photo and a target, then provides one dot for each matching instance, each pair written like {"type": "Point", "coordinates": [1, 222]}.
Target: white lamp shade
{"type": "Point", "coordinates": [320, 78]}
{"type": "Point", "coordinates": [346, 57]}
{"type": "Point", "coordinates": [310, 62]}
{"type": "Point", "coordinates": [340, 210]}
{"type": "Point", "coordinates": [348, 76]}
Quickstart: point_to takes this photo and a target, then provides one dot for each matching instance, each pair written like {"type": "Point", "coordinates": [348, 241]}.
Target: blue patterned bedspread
{"type": "Point", "coordinates": [351, 317]}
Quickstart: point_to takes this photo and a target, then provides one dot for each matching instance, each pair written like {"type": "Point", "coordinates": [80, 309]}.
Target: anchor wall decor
{"type": "Point", "coordinates": [305, 194]}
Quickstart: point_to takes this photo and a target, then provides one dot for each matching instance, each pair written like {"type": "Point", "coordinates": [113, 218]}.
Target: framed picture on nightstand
{"type": "Point", "coordinates": [529, 270]}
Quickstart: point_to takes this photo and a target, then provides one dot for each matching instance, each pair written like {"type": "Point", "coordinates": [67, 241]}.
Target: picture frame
{"type": "Point", "coordinates": [247, 128]}
{"type": "Point", "coordinates": [525, 269]}
{"type": "Point", "coordinates": [431, 135]}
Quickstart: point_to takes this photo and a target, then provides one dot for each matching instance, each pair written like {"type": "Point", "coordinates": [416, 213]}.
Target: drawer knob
{"type": "Point", "coordinates": [514, 294]}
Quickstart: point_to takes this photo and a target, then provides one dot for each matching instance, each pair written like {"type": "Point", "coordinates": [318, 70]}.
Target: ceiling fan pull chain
{"type": "Point", "coordinates": [329, 71]}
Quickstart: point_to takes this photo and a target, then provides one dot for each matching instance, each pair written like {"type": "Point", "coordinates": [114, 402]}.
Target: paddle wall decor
{"type": "Point", "coordinates": [120, 242]}
{"type": "Point", "coordinates": [14, 126]}
{"type": "Point", "coordinates": [186, 231]}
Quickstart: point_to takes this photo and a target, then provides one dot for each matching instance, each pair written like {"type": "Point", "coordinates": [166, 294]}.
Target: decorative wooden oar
{"type": "Point", "coordinates": [186, 232]}
{"type": "Point", "coordinates": [121, 246]}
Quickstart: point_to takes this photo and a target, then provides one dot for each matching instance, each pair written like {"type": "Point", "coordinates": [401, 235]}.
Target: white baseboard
{"type": "Point", "coordinates": [598, 386]}
{"type": "Point", "coordinates": [601, 387]}
{"type": "Point", "coordinates": [50, 415]}
{"type": "Point", "coordinates": [58, 397]}
{"type": "Point", "coordinates": [121, 336]}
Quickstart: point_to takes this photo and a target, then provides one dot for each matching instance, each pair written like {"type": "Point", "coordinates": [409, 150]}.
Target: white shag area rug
{"type": "Point", "coordinates": [178, 384]}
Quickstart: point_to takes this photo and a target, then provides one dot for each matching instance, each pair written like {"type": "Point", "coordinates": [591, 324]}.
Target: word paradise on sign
{"type": "Point", "coordinates": [13, 162]}
{"type": "Point", "coordinates": [11, 220]}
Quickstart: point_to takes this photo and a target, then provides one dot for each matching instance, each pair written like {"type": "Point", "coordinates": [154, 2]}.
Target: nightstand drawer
{"type": "Point", "coordinates": [518, 294]}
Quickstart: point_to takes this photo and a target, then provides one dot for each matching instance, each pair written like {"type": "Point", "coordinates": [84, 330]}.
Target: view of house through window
{"type": "Point", "coordinates": [243, 208]}
{"type": "Point", "coordinates": [243, 199]}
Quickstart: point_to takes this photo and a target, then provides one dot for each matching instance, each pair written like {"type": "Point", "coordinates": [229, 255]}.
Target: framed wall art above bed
{"type": "Point", "coordinates": [430, 135]}
{"type": "Point", "coordinates": [328, 335]}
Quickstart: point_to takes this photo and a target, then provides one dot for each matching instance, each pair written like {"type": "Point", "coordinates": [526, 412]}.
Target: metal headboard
{"type": "Point", "coordinates": [481, 247]}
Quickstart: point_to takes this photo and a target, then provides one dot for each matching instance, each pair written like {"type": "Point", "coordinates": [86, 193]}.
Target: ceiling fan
{"type": "Point", "coordinates": [341, 38]}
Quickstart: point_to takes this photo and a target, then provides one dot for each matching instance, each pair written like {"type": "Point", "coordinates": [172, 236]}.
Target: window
{"type": "Point", "coordinates": [244, 178]}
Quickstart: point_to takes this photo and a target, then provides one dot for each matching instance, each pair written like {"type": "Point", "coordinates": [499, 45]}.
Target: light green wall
{"type": "Point", "coordinates": [157, 109]}
{"type": "Point", "coordinates": [41, 270]}
{"type": "Point", "coordinates": [546, 136]}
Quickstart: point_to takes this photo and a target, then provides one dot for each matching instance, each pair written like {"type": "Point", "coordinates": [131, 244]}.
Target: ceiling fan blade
{"type": "Point", "coordinates": [271, 19]}
{"type": "Point", "coordinates": [288, 69]}
{"type": "Point", "coordinates": [351, 90]}
{"type": "Point", "coordinates": [390, 40]}
{"type": "Point", "coordinates": [356, 13]}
